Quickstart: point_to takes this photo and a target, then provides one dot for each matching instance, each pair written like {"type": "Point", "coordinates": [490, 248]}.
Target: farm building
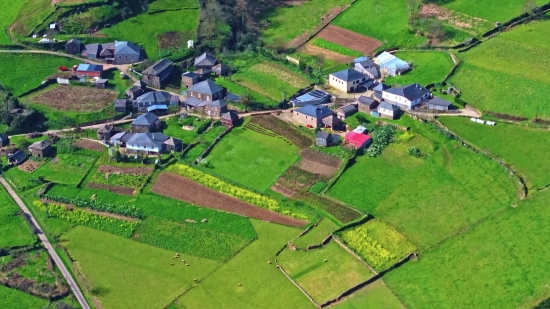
{"type": "Point", "coordinates": [323, 139]}
{"type": "Point", "coordinates": [146, 142]}
{"type": "Point", "coordinates": [146, 123]}
{"type": "Point", "coordinates": [152, 98]}
{"type": "Point", "coordinates": [121, 105]}
{"type": "Point", "coordinates": [172, 144]}
{"type": "Point", "coordinates": [366, 104]}
{"type": "Point", "coordinates": [114, 52]}
{"type": "Point", "coordinates": [121, 138]}
{"type": "Point", "coordinates": [366, 65]}
{"type": "Point", "coordinates": [314, 97]}
{"type": "Point", "coordinates": [438, 104]}
{"type": "Point", "coordinates": [357, 140]}
{"type": "Point", "coordinates": [206, 90]}
{"type": "Point", "coordinates": [158, 74]}
{"type": "Point", "coordinates": [388, 110]}
{"type": "Point", "coordinates": [221, 69]}
{"type": "Point", "coordinates": [101, 83]}
{"type": "Point", "coordinates": [4, 140]}
{"type": "Point", "coordinates": [346, 111]}
{"type": "Point", "coordinates": [105, 132]}
{"type": "Point", "coordinates": [348, 80]}
{"type": "Point", "coordinates": [40, 149]}
{"type": "Point", "coordinates": [159, 109]}
{"type": "Point", "coordinates": [229, 119]}
{"type": "Point", "coordinates": [17, 157]}
{"type": "Point", "coordinates": [188, 79]}
{"type": "Point", "coordinates": [212, 108]}
{"type": "Point", "coordinates": [392, 65]}
{"type": "Point", "coordinates": [89, 70]}
{"type": "Point", "coordinates": [205, 61]}
{"type": "Point", "coordinates": [73, 46]}
{"type": "Point", "coordinates": [314, 116]}
{"type": "Point", "coordinates": [203, 73]}
{"type": "Point", "coordinates": [134, 92]}
{"type": "Point", "coordinates": [406, 97]}
{"type": "Point", "coordinates": [378, 89]}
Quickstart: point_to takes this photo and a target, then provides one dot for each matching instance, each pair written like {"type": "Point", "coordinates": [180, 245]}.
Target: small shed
{"type": "Point", "coordinates": [221, 69]}
{"type": "Point", "coordinates": [17, 157]}
{"type": "Point", "coordinates": [438, 104]}
{"type": "Point", "coordinates": [323, 139]}
{"type": "Point", "coordinates": [172, 144]}
{"type": "Point", "coordinates": [120, 105]}
{"type": "Point", "coordinates": [101, 83]}
{"type": "Point", "coordinates": [105, 132]}
{"type": "Point", "coordinates": [4, 140]}
{"type": "Point", "coordinates": [203, 73]}
{"type": "Point", "coordinates": [89, 70]}
{"type": "Point", "coordinates": [388, 110]}
{"type": "Point", "coordinates": [134, 92]}
{"type": "Point", "coordinates": [41, 149]}
{"type": "Point", "coordinates": [366, 104]}
{"type": "Point", "coordinates": [346, 111]}
{"type": "Point", "coordinates": [229, 119]}
{"type": "Point", "coordinates": [358, 140]}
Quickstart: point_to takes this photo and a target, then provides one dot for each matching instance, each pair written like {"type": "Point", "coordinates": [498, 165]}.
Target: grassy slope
{"type": "Point", "coordinates": [131, 274]}
{"type": "Point", "coordinates": [429, 67]}
{"type": "Point", "coordinates": [316, 234]}
{"type": "Point", "coordinates": [508, 73]}
{"type": "Point", "coordinates": [374, 296]}
{"type": "Point", "coordinates": [500, 10]}
{"type": "Point", "coordinates": [8, 14]}
{"type": "Point", "coordinates": [68, 169]}
{"type": "Point", "coordinates": [382, 20]}
{"type": "Point", "coordinates": [140, 29]}
{"type": "Point", "coordinates": [240, 91]}
{"type": "Point", "coordinates": [501, 263]}
{"type": "Point", "coordinates": [324, 280]}
{"type": "Point", "coordinates": [526, 158]}
{"type": "Point", "coordinates": [14, 231]}
{"type": "Point", "coordinates": [259, 281]}
{"type": "Point", "coordinates": [12, 298]}
{"type": "Point", "coordinates": [427, 199]}
{"type": "Point", "coordinates": [241, 155]}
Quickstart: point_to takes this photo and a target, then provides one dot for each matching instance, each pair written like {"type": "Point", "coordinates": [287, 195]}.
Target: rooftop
{"type": "Point", "coordinates": [318, 112]}
{"type": "Point", "coordinates": [348, 75]}
{"type": "Point", "coordinates": [410, 92]}
{"type": "Point", "coordinates": [206, 87]}
{"type": "Point", "coordinates": [388, 106]}
{"type": "Point", "coordinates": [154, 97]}
{"type": "Point", "coordinates": [158, 67]}
{"type": "Point", "coordinates": [127, 48]}
{"type": "Point", "coordinates": [206, 59]}
{"type": "Point", "coordinates": [439, 102]}
{"type": "Point", "coordinates": [40, 145]}
{"type": "Point", "coordinates": [90, 67]}
{"type": "Point", "coordinates": [145, 119]}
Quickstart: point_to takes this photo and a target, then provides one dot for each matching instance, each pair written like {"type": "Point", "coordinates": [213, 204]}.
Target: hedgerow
{"type": "Point", "coordinates": [342, 50]}
{"type": "Point", "coordinates": [119, 209]}
{"type": "Point", "coordinates": [383, 136]}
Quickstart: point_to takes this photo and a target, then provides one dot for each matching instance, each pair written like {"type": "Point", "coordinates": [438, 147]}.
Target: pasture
{"type": "Point", "coordinates": [257, 99]}
{"type": "Point", "coordinates": [12, 298]}
{"type": "Point", "coordinates": [258, 280]}
{"type": "Point", "coordinates": [242, 154]}
{"type": "Point", "coordinates": [429, 198]}
{"type": "Point", "coordinates": [500, 263]}
{"type": "Point", "coordinates": [496, 140]}
{"type": "Point", "coordinates": [144, 29]}
{"type": "Point", "coordinates": [376, 295]}
{"type": "Point", "coordinates": [126, 273]}
{"type": "Point", "coordinates": [316, 234]}
{"type": "Point", "coordinates": [428, 67]}
{"type": "Point", "coordinates": [172, 126]}
{"type": "Point", "coordinates": [14, 230]}
{"type": "Point", "coordinates": [501, 10]}
{"type": "Point", "coordinates": [74, 98]}
{"type": "Point", "coordinates": [8, 15]}
{"type": "Point", "coordinates": [324, 280]}
{"type": "Point", "coordinates": [66, 168]}
{"type": "Point", "coordinates": [30, 14]}
{"type": "Point", "coordinates": [513, 62]}
{"type": "Point", "coordinates": [31, 70]}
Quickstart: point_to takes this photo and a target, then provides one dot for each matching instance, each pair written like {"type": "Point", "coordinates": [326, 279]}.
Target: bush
{"type": "Point", "coordinates": [383, 136]}
{"type": "Point", "coordinates": [318, 187]}
{"type": "Point", "coordinates": [414, 151]}
{"type": "Point", "coordinates": [119, 209]}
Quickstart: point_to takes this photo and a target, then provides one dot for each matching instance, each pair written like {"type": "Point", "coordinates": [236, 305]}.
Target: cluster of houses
{"type": "Point", "coordinates": [122, 52]}
{"type": "Point", "coordinates": [40, 149]}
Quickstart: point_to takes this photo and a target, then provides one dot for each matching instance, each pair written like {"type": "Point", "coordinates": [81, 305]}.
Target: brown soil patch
{"type": "Point", "coordinates": [317, 168]}
{"type": "Point", "coordinates": [111, 215]}
{"type": "Point", "coordinates": [181, 188]}
{"type": "Point", "coordinates": [296, 180]}
{"type": "Point", "coordinates": [134, 171]}
{"type": "Point", "coordinates": [455, 19]}
{"type": "Point", "coordinates": [320, 157]}
{"type": "Point", "coordinates": [174, 39]}
{"type": "Point", "coordinates": [114, 189]}
{"type": "Point", "coordinates": [90, 145]}
{"type": "Point", "coordinates": [29, 166]}
{"type": "Point", "coordinates": [311, 49]}
{"type": "Point", "coordinates": [349, 39]}
{"type": "Point", "coordinates": [75, 98]}
{"type": "Point", "coordinates": [325, 20]}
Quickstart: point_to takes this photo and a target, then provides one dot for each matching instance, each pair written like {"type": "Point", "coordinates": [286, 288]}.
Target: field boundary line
{"type": "Point", "coordinates": [296, 284]}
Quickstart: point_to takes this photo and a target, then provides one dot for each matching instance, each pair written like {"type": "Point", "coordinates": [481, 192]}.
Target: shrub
{"type": "Point", "coordinates": [414, 151]}
{"type": "Point", "coordinates": [119, 209]}
{"type": "Point", "coordinates": [383, 136]}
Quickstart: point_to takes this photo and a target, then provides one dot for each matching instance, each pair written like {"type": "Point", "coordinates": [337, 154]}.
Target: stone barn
{"type": "Point", "coordinates": [41, 149]}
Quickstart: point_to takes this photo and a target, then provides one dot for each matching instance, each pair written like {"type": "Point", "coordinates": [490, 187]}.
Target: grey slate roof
{"type": "Point", "coordinates": [40, 145]}
{"type": "Point", "coordinates": [105, 129]}
{"type": "Point", "coordinates": [73, 41]}
{"type": "Point", "coordinates": [439, 102]}
{"type": "Point", "coordinates": [145, 119]}
{"type": "Point", "coordinates": [230, 116]}
{"type": "Point", "coordinates": [386, 105]}
{"type": "Point", "coordinates": [172, 141]}
{"type": "Point", "coordinates": [206, 59]}
{"type": "Point", "coordinates": [135, 89]}
{"type": "Point", "coordinates": [348, 75]}
{"type": "Point", "coordinates": [106, 53]}
{"type": "Point", "coordinates": [380, 87]}
{"type": "Point", "coordinates": [190, 74]}
{"type": "Point", "coordinates": [147, 139]}
{"type": "Point", "coordinates": [192, 101]}
{"type": "Point", "coordinates": [91, 48]}
{"type": "Point", "coordinates": [162, 97]}
{"type": "Point", "coordinates": [373, 71]}
{"type": "Point", "coordinates": [410, 92]}
{"type": "Point", "coordinates": [348, 108]}
{"type": "Point", "coordinates": [220, 67]}
{"type": "Point", "coordinates": [323, 135]}
{"type": "Point", "coordinates": [126, 48]}
{"type": "Point", "coordinates": [206, 87]}
{"type": "Point", "coordinates": [318, 112]}
{"type": "Point", "coordinates": [366, 100]}
{"type": "Point", "coordinates": [367, 62]}
{"type": "Point", "coordinates": [120, 103]}
{"type": "Point", "coordinates": [158, 67]}
{"type": "Point", "coordinates": [217, 103]}
{"type": "Point", "coordinates": [17, 156]}
{"type": "Point", "coordinates": [4, 137]}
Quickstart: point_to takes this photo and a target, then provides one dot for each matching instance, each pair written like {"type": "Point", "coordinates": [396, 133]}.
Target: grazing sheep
{"type": "Point", "coordinates": [325, 260]}
{"type": "Point", "coordinates": [239, 284]}
{"type": "Point", "coordinates": [268, 262]}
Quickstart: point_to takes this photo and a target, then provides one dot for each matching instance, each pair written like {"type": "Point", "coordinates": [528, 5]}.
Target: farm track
{"type": "Point", "coordinates": [178, 187]}
{"type": "Point", "coordinates": [66, 274]}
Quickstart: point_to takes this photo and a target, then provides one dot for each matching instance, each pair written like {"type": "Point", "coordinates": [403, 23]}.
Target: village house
{"type": "Point", "coordinates": [388, 110]}
{"type": "Point", "coordinates": [41, 149]}
{"type": "Point", "coordinates": [406, 97]}
{"type": "Point", "coordinates": [392, 65]}
{"type": "Point", "coordinates": [135, 91]}
{"type": "Point", "coordinates": [158, 74]}
{"type": "Point", "coordinates": [206, 90]}
{"type": "Point", "coordinates": [105, 132]}
{"type": "Point", "coordinates": [73, 46]}
{"type": "Point", "coordinates": [212, 108]}
{"type": "Point", "coordinates": [366, 104]}
{"type": "Point", "coordinates": [315, 116]}
{"type": "Point", "coordinates": [322, 139]}
{"type": "Point", "coordinates": [348, 80]}
{"type": "Point", "coordinates": [114, 52]}
{"type": "Point", "coordinates": [205, 61]}
{"type": "Point", "coordinates": [158, 110]}
{"type": "Point", "coordinates": [4, 140]}
{"type": "Point", "coordinates": [314, 97]}
{"type": "Point", "coordinates": [146, 123]}
{"type": "Point", "coordinates": [146, 142]}
{"type": "Point", "coordinates": [89, 70]}
{"type": "Point", "coordinates": [378, 90]}
{"type": "Point", "coordinates": [188, 79]}
{"type": "Point", "coordinates": [154, 98]}
{"type": "Point", "coordinates": [438, 104]}
{"type": "Point", "coordinates": [121, 105]}
{"type": "Point", "coordinates": [17, 157]}
{"type": "Point", "coordinates": [357, 140]}
{"type": "Point", "coordinates": [203, 73]}
{"type": "Point", "coordinates": [366, 65]}
{"type": "Point", "coordinates": [229, 119]}
{"type": "Point", "coordinates": [221, 69]}
{"type": "Point", "coordinates": [346, 111]}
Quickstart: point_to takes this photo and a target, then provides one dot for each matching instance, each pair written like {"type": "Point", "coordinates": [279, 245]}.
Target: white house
{"type": "Point", "coordinates": [347, 80]}
{"type": "Point", "coordinates": [388, 110]}
{"type": "Point", "coordinates": [406, 97]}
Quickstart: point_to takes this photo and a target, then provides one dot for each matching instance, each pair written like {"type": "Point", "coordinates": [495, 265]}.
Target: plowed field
{"type": "Point", "coordinates": [349, 39]}
{"type": "Point", "coordinates": [181, 188]}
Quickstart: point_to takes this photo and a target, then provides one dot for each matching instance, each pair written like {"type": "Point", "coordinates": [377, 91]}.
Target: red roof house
{"type": "Point", "coordinates": [357, 140]}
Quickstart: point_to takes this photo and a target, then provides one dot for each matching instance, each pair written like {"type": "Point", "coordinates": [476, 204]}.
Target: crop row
{"type": "Point", "coordinates": [81, 217]}
{"type": "Point", "coordinates": [119, 209]}
{"type": "Point", "coordinates": [122, 180]}
{"type": "Point", "coordinates": [239, 193]}
{"type": "Point", "coordinates": [282, 128]}
{"type": "Point", "coordinates": [320, 157]}
{"type": "Point", "coordinates": [342, 50]}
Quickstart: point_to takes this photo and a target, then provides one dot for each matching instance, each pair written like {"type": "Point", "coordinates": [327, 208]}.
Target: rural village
{"type": "Point", "coordinates": [287, 154]}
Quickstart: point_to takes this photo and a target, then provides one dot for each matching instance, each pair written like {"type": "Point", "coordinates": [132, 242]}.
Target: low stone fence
{"type": "Point", "coordinates": [207, 150]}
{"type": "Point", "coordinates": [296, 284]}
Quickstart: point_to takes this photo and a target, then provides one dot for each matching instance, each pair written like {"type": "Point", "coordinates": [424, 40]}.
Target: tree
{"type": "Point", "coordinates": [436, 30]}
{"type": "Point", "coordinates": [246, 100]}
{"type": "Point", "coordinates": [413, 10]}
{"type": "Point", "coordinates": [529, 7]}
{"type": "Point", "coordinates": [114, 153]}
{"type": "Point", "coordinates": [241, 9]}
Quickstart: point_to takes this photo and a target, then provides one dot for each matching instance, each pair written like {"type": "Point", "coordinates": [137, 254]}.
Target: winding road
{"type": "Point", "coordinates": [72, 283]}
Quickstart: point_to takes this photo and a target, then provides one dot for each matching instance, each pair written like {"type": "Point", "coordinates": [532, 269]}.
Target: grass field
{"type": "Point", "coordinates": [514, 62]}
{"type": "Point", "coordinates": [139, 29]}
{"type": "Point", "coordinates": [501, 263]}
{"type": "Point", "coordinates": [429, 198]}
{"type": "Point", "coordinates": [8, 15]}
{"type": "Point", "coordinates": [324, 280]}
{"type": "Point", "coordinates": [31, 70]}
{"type": "Point", "coordinates": [66, 169]}
{"type": "Point", "coordinates": [496, 140]}
{"type": "Point", "coordinates": [173, 127]}
{"type": "Point", "coordinates": [387, 22]}
{"type": "Point", "coordinates": [124, 273]}
{"type": "Point", "coordinates": [501, 10]}
{"type": "Point", "coordinates": [374, 296]}
{"type": "Point", "coordinates": [241, 90]}
{"type": "Point", "coordinates": [428, 67]}
{"type": "Point", "coordinates": [288, 22]}
{"type": "Point", "coordinates": [258, 279]}
{"type": "Point", "coordinates": [316, 234]}
{"type": "Point", "coordinates": [12, 298]}
{"type": "Point", "coordinates": [14, 230]}
{"type": "Point", "coordinates": [241, 154]}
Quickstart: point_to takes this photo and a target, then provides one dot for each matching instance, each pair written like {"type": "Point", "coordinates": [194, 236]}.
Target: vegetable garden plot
{"type": "Point", "coordinates": [296, 180]}
{"type": "Point", "coordinates": [349, 40]}
{"type": "Point", "coordinates": [122, 180]}
{"type": "Point", "coordinates": [282, 128]}
{"type": "Point", "coordinates": [66, 168]}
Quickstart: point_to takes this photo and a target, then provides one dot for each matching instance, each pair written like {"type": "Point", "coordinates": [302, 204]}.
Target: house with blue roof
{"type": "Point", "coordinates": [348, 80]}
{"type": "Point", "coordinates": [406, 97]}
{"type": "Point", "coordinates": [159, 109]}
{"type": "Point", "coordinates": [312, 116]}
{"type": "Point", "coordinates": [392, 65]}
{"type": "Point", "coordinates": [89, 70]}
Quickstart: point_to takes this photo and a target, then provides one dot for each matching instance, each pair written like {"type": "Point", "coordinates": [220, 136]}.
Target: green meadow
{"type": "Point", "coordinates": [428, 67]}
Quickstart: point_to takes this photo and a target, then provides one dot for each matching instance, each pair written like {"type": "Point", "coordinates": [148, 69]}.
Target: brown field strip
{"type": "Point", "coordinates": [75, 98]}
{"type": "Point", "coordinates": [349, 39]}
